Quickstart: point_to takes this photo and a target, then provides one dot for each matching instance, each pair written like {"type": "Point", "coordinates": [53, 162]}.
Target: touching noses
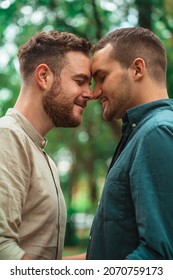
{"type": "Point", "coordinates": [92, 94]}
{"type": "Point", "coordinates": [96, 92]}
{"type": "Point", "coordinates": [88, 93]}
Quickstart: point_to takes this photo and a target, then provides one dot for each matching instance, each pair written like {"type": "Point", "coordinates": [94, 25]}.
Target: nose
{"type": "Point", "coordinates": [96, 92]}
{"type": "Point", "coordinates": [88, 94]}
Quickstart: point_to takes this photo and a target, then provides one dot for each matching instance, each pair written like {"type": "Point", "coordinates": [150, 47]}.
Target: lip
{"type": "Point", "coordinates": [103, 100]}
{"type": "Point", "coordinates": [81, 104]}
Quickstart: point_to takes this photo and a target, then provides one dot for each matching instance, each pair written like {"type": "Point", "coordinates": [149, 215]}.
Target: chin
{"type": "Point", "coordinates": [106, 116]}
{"type": "Point", "coordinates": [77, 119]}
{"type": "Point", "coordinates": [71, 123]}
{"type": "Point", "coordinates": [109, 116]}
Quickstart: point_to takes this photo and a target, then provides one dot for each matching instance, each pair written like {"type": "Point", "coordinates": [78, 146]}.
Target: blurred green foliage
{"type": "Point", "coordinates": [82, 154]}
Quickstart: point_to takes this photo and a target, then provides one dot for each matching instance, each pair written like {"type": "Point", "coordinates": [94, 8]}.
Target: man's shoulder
{"type": "Point", "coordinates": [10, 128]}
{"type": "Point", "coordinates": [158, 117]}
{"type": "Point", "coordinates": [158, 121]}
{"type": "Point", "coordinates": [161, 117]}
{"type": "Point", "coordinates": [9, 123]}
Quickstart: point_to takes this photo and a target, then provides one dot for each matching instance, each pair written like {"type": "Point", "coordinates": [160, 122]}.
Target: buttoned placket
{"type": "Point", "coordinates": [123, 141]}
{"type": "Point", "coordinates": [124, 138]}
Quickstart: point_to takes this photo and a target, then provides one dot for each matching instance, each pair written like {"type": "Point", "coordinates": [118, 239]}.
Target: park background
{"type": "Point", "coordinates": [82, 154]}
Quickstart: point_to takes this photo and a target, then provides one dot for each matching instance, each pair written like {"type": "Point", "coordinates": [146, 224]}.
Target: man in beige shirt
{"type": "Point", "coordinates": [55, 73]}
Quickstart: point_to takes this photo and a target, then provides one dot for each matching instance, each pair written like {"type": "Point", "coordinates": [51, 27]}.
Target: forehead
{"type": "Point", "coordinates": [77, 62]}
{"type": "Point", "coordinates": [102, 59]}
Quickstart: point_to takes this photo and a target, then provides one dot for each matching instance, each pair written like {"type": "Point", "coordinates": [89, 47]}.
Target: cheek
{"type": "Point", "coordinates": [108, 86]}
{"type": "Point", "coordinates": [72, 89]}
{"type": "Point", "coordinates": [115, 82]}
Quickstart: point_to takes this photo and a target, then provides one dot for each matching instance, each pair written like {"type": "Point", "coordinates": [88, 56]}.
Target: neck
{"type": "Point", "coordinates": [150, 92]}
{"type": "Point", "coordinates": [33, 110]}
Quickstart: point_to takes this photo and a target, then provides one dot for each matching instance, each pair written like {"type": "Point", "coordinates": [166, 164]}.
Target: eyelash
{"type": "Point", "coordinates": [101, 78]}
{"type": "Point", "coordinates": [79, 82]}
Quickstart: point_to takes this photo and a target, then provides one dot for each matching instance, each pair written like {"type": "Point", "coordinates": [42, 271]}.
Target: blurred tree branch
{"type": "Point", "coordinates": [99, 25]}
{"type": "Point", "coordinates": [145, 10]}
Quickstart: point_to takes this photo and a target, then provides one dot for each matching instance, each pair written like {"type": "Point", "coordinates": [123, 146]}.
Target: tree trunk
{"type": "Point", "coordinates": [145, 10]}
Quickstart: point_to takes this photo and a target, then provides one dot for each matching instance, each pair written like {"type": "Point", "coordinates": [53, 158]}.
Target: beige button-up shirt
{"type": "Point", "coordinates": [32, 207]}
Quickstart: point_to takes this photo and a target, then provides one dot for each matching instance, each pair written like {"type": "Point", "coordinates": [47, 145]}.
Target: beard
{"type": "Point", "coordinates": [59, 106]}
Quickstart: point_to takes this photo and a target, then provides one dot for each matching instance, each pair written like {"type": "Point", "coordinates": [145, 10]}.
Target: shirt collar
{"type": "Point", "coordinates": [135, 115]}
{"type": "Point", "coordinates": [28, 127]}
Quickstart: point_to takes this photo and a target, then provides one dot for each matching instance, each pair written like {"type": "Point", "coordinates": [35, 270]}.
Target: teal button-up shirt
{"type": "Point", "coordinates": [134, 219]}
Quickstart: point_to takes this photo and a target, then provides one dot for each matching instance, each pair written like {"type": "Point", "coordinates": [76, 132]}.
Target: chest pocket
{"type": "Point", "coordinates": [116, 202]}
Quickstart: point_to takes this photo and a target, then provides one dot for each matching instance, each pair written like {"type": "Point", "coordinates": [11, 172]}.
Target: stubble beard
{"type": "Point", "coordinates": [116, 110]}
{"type": "Point", "coordinates": [59, 108]}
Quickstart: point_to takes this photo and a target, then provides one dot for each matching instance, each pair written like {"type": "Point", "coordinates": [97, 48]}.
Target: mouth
{"type": "Point", "coordinates": [103, 101]}
{"type": "Point", "coordinates": [81, 104]}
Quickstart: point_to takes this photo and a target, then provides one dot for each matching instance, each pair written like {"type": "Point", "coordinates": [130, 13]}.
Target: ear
{"type": "Point", "coordinates": [138, 67]}
{"type": "Point", "coordinates": [43, 76]}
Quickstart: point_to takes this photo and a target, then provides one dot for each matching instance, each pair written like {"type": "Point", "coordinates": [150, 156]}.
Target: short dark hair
{"type": "Point", "coordinates": [130, 43]}
{"type": "Point", "coordinates": [49, 48]}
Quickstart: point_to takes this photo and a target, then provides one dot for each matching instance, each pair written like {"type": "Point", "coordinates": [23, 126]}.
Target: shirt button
{"type": "Point", "coordinates": [134, 125]}
{"type": "Point", "coordinates": [90, 237]}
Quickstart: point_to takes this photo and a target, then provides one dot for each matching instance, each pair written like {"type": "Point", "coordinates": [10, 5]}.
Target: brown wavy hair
{"type": "Point", "coordinates": [49, 48]}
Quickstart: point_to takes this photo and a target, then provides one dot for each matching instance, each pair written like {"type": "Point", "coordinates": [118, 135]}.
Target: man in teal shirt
{"type": "Point", "coordinates": [134, 219]}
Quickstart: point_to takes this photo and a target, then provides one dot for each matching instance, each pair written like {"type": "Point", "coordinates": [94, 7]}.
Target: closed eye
{"type": "Point", "coordinates": [80, 82]}
{"type": "Point", "coordinates": [99, 75]}
{"type": "Point", "coordinates": [81, 79]}
{"type": "Point", "coordinates": [101, 78]}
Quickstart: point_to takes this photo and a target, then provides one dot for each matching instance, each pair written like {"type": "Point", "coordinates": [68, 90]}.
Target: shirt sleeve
{"type": "Point", "coordinates": [14, 184]}
{"type": "Point", "coordinates": [151, 179]}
